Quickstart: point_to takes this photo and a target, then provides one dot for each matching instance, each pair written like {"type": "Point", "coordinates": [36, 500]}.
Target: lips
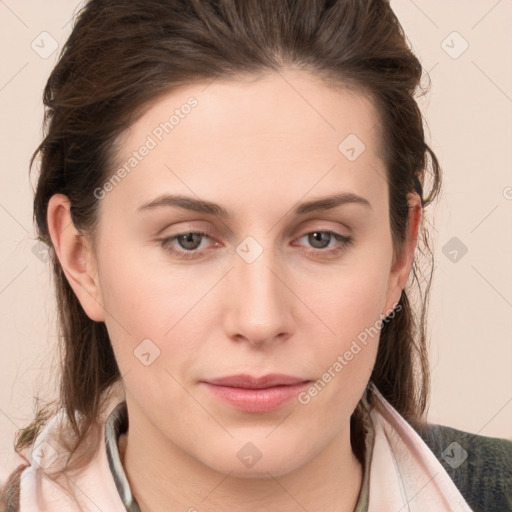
{"type": "Point", "coordinates": [250, 382]}
{"type": "Point", "coordinates": [256, 394]}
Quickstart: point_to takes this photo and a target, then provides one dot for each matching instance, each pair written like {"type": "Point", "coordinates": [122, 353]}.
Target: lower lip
{"type": "Point", "coordinates": [257, 400]}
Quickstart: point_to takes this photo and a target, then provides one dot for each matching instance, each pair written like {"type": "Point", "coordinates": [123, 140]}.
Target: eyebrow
{"type": "Point", "coordinates": [208, 207]}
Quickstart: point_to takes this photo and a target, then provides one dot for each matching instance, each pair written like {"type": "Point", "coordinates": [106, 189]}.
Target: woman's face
{"type": "Point", "coordinates": [274, 287]}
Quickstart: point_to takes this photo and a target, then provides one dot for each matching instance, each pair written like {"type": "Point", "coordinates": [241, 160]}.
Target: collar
{"type": "Point", "coordinates": [117, 424]}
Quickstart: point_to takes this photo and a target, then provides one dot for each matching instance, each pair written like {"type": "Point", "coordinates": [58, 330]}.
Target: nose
{"type": "Point", "coordinates": [260, 303]}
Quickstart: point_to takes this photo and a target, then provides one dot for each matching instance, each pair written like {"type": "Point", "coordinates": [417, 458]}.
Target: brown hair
{"type": "Point", "coordinates": [122, 55]}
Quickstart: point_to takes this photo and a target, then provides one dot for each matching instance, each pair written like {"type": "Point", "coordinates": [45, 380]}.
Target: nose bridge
{"type": "Point", "coordinates": [256, 270]}
{"type": "Point", "coordinates": [260, 304]}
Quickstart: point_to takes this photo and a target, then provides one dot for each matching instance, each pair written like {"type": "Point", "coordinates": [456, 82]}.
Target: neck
{"type": "Point", "coordinates": [164, 478]}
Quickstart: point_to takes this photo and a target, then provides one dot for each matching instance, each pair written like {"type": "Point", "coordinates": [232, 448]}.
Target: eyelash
{"type": "Point", "coordinates": [344, 243]}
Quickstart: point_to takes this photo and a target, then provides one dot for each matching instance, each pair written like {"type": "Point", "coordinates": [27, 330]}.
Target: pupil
{"type": "Point", "coordinates": [188, 239]}
{"type": "Point", "coordinates": [317, 237]}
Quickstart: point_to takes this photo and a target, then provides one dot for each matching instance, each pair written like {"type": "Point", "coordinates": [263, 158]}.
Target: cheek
{"type": "Point", "coordinates": [353, 299]}
{"type": "Point", "coordinates": [152, 336]}
{"type": "Point", "coordinates": [145, 303]}
{"type": "Point", "coordinates": [351, 305]}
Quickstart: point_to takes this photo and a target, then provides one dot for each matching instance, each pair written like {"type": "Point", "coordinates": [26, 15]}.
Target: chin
{"type": "Point", "coordinates": [248, 461]}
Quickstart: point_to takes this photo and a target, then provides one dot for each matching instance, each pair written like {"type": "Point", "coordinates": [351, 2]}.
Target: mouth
{"type": "Point", "coordinates": [256, 394]}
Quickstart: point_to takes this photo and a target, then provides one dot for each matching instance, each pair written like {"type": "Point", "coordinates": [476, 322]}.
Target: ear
{"type": "Point", "coordinates": [76, 257]}
{"type": "Point", "coordinates": [402, 264]}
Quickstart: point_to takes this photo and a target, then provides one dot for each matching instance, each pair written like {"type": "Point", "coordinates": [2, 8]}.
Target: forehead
{"type": "Point", "coordinates": [285, 128]}
{"type": "Point", "coordinates": [285, 103]}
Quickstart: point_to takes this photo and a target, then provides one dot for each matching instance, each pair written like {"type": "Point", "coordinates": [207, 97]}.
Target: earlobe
{"type": "Point", "coordinates": [75, 256]}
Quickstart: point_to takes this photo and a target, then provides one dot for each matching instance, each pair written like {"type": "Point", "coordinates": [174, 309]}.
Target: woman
{"type": "Point", "coordinates": [232, 195]}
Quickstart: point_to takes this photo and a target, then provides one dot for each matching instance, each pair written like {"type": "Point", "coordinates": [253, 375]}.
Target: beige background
{"type": "Point", "coordinates": [469, 117]}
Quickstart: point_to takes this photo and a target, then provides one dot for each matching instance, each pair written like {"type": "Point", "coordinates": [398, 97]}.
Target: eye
{"type": "Point", "coordinates": [321, 240]}
{"type": "Point", "coordinates": [188, 244]}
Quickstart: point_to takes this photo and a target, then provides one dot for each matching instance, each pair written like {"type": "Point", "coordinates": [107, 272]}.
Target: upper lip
{"type": "Point", "coordinates": [250, 382]}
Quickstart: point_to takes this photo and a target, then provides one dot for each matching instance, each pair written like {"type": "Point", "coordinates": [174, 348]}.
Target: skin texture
{"type": "Point", "coordinates": [256, 147]}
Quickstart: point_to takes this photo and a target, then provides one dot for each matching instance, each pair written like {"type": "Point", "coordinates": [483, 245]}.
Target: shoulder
{"type": "Point", "coordinates": [10, 488]}
{"type": "Point", "coordinates": [480, 466]}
